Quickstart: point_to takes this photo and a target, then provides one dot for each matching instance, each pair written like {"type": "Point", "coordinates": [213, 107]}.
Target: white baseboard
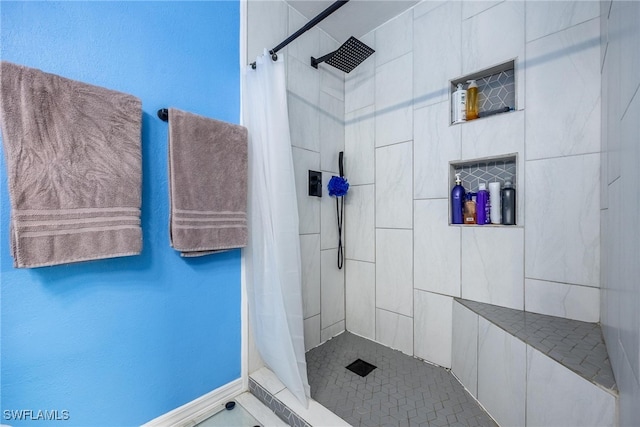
{"type": "Point", "coordinates": [199, 409]}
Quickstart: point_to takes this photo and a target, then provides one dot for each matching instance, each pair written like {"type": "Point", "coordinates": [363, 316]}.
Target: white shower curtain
{"type": "Point", "coordinates": [274, 279]}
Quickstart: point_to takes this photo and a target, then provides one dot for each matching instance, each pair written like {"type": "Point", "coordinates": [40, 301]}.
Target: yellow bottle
{"type": "Point", "coordinates": [472, 100]}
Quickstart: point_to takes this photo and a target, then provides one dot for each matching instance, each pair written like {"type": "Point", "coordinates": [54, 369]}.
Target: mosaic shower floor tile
{"type": "Point", "coordinates": [401, 391]}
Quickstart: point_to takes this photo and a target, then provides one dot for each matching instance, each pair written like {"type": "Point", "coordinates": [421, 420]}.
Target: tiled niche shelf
{"type": "Point", "coordinates": [496, 90]}
{"type": "Point", "coordinates": [485, 170]}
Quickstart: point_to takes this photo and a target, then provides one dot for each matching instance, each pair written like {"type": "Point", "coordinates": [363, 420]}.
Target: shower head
{"type": "Point", "coordinates": [346, 57]}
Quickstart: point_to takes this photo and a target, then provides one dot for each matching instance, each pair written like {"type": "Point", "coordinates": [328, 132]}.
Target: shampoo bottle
{"type": "Point", "coordinates": [508, 201]}
{"type": "Point", "coordinates": [494, 201]}
{"type": "Point", "coordinates": [472, 100]}
{"type": "Point", "coordinates": [457, 201]}
{"type": "Point", "coordinates": [482, 205]}
{"type": "Point", "coordinates": [469, 210]}
{"type": "Point", "coordinates": [459, 105]}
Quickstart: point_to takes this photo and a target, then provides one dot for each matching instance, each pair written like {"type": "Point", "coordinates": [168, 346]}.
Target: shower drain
{"type": "Point", "coordinates": [361, 367]}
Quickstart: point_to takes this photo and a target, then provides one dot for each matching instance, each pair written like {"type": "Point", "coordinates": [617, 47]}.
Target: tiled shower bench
{"type": "Point", "coordinates": [533, 369]}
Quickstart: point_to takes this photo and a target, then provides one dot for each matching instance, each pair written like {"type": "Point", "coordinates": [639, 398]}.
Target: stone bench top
{"type": "Point", "coordinates": [579, 346]}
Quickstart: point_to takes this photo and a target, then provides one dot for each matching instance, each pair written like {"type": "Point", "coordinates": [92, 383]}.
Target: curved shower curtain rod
{"type": "Point", "coordinates": [328, 11]}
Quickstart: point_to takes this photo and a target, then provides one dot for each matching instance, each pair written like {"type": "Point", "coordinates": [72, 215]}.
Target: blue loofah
{"type": "Point", "coordinates": [338, 186]}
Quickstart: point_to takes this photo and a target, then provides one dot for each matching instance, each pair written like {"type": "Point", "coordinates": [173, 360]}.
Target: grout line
{"type": "Point", "coordinates": [560, 157]}
{"type": "Point", "coordinates": [562, 283]}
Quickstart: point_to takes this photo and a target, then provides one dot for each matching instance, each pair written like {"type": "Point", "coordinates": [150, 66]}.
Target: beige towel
{"type": "Point", "coordinates": [208, 184]}
{"type": "Point", "coordinates": [74, 168]}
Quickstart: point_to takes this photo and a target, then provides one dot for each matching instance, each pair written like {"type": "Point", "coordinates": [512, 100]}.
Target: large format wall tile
{"type": "Point", "coordinates": [630, 230]}
{"type": "Point", "coordinates": [393, 99]}
{"type": "Point", "coordinates": [436, 253]}
{"type": "Point", "coordinates": [426, 6]}
{"type": "Point", "coordinates": [547, 17]}
{"type": "Point", "coordinates": [492, 265]}
{"type": "Point", "coordinates": [331, 79]}
{"type": "Point", "coordinates": [626, 15]}
{"type": "Point", "coordinates": [464, 361]}
{"type": "Point", "coordinates": [304, 123]}
{"type": "Point", "coordinates": [308, 207]}
{"type": "Point", "coordinates": [359, 223]}
{"type": "Point", "coordinates": [436, 38]}
{"type": "Point", "coordinates": [331, 289]}
{"type": "Point", "coordinates": [563, 103]}
{"type": "Point", "coordinates": [558, 397]}
{"type": "Point", "coordinates": [359, 144]}
{"type": "Point", "coordinates": [435, 144]}
{"type": "Point", "coordinates": [501, 374]}
{"type": "Point", "coordinates": [311, 332]}
{"type": "Point", "coordinates": [328, 217]}
{"type": "Point", "coordinates": [612, 110]}
{"type": "Point", "coordinates": [361, 298]}
{"type": "Point", "coordinates": [629, 396]}
{"type": "Point", "coordinates": [331, 132]}
{"type": "Point", "coordinates": [483, 46]}
{"type": "Point", "coordinates": [303, 80]}
{"type": "Point", "coordinates": [562, 300]}
{"type": "Point", "coordinates": [394, 186]}
{"type": "Point", "coordinates": [268, 30]}
{"type": "Point", "coordinates": [394, 38]}
{"type": "Point", "coordinates": [395, 331]}
{"type": "Point", "coordinates": [563, 226]}
{"type": "Point", "coordinates": [619, 236]}
{"type": "Point", "coordinates": [612, 251]}
{"type": "Point", "coordinates": [472, 8]}
{"type": "Point", "coordinates": [394, 272]}
{"type": "Point", "coordinates": [359, 85]}
{"type": "Point", "coordinates": [302, 47]}
{"type": "Point", "coordinates": [331, 331]}
{"type": "Point", "coordinates": [432, 327]}
{"type": "Point", "coordinates": [495, 136]}
{"type": "Point", "coordinates": [310, 257]}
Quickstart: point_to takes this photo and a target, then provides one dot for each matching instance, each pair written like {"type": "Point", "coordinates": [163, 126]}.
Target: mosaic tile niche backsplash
{"type": "Point", "coordinates": [496, 91]}
{"type": "Point", "coordinates": [473, 174]}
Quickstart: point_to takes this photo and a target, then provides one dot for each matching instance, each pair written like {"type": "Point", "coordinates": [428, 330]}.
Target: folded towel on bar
{"type": "Point", "coordinates": [74, 168]}
{"type": "Point", "coordinates": [208, 184]}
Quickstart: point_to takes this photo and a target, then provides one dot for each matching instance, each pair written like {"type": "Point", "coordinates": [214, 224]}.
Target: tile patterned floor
{"type": "Point", "coordinates": [401, 391]}
{"type": "Point", "coordinates": [279, 408]}
{"type": "Point", "coordinates": [577, 345]}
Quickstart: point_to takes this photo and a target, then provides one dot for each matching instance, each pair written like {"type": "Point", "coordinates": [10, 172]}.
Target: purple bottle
{"type": "Point", "coordinates": [457, 201]}
{"type": "Point", "coordinates": [482, 205]}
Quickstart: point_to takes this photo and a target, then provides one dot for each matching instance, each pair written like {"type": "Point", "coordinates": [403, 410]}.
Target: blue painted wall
{"type": "Point", "coordinates": [122, 341]}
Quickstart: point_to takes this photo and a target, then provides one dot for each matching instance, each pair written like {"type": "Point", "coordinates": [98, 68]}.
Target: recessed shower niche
{"type": "Point", "coordinates": [496, 90]}
{"type": "Point", "coordinates": [486, 170]}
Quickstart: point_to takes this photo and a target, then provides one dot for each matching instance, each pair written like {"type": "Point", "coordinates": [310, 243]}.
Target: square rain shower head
{"type": "Point", "coordinates": [346, 57]}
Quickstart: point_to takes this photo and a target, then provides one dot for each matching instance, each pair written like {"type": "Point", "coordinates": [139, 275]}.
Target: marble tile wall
{"type": "Point", "coordinates": [396, 127]}
{"type": "Point", "coordinates": [390, 116]}
{"type": "Point", "coordinates": [464, 348]}
{"type": "Point", "coordinates": [509, 372]}
{"type": "Point", "coordinates": [575, 172]}
{"type": "Point", "coordinates": [620, 205]}
{"type": "Point", "coordinates": [550, 387]}
{"type": "Point", "coordinates": [501, 374]}
{"type": "Point", "coordinates": [316, 101]}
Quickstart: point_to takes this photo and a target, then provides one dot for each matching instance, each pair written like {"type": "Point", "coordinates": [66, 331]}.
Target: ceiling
{"type": "Point", "coordinates": [355, 18]}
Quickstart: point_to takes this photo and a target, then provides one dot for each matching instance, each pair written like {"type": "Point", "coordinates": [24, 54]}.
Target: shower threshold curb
{"type": "Point", "coordinates": [264, 385]}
